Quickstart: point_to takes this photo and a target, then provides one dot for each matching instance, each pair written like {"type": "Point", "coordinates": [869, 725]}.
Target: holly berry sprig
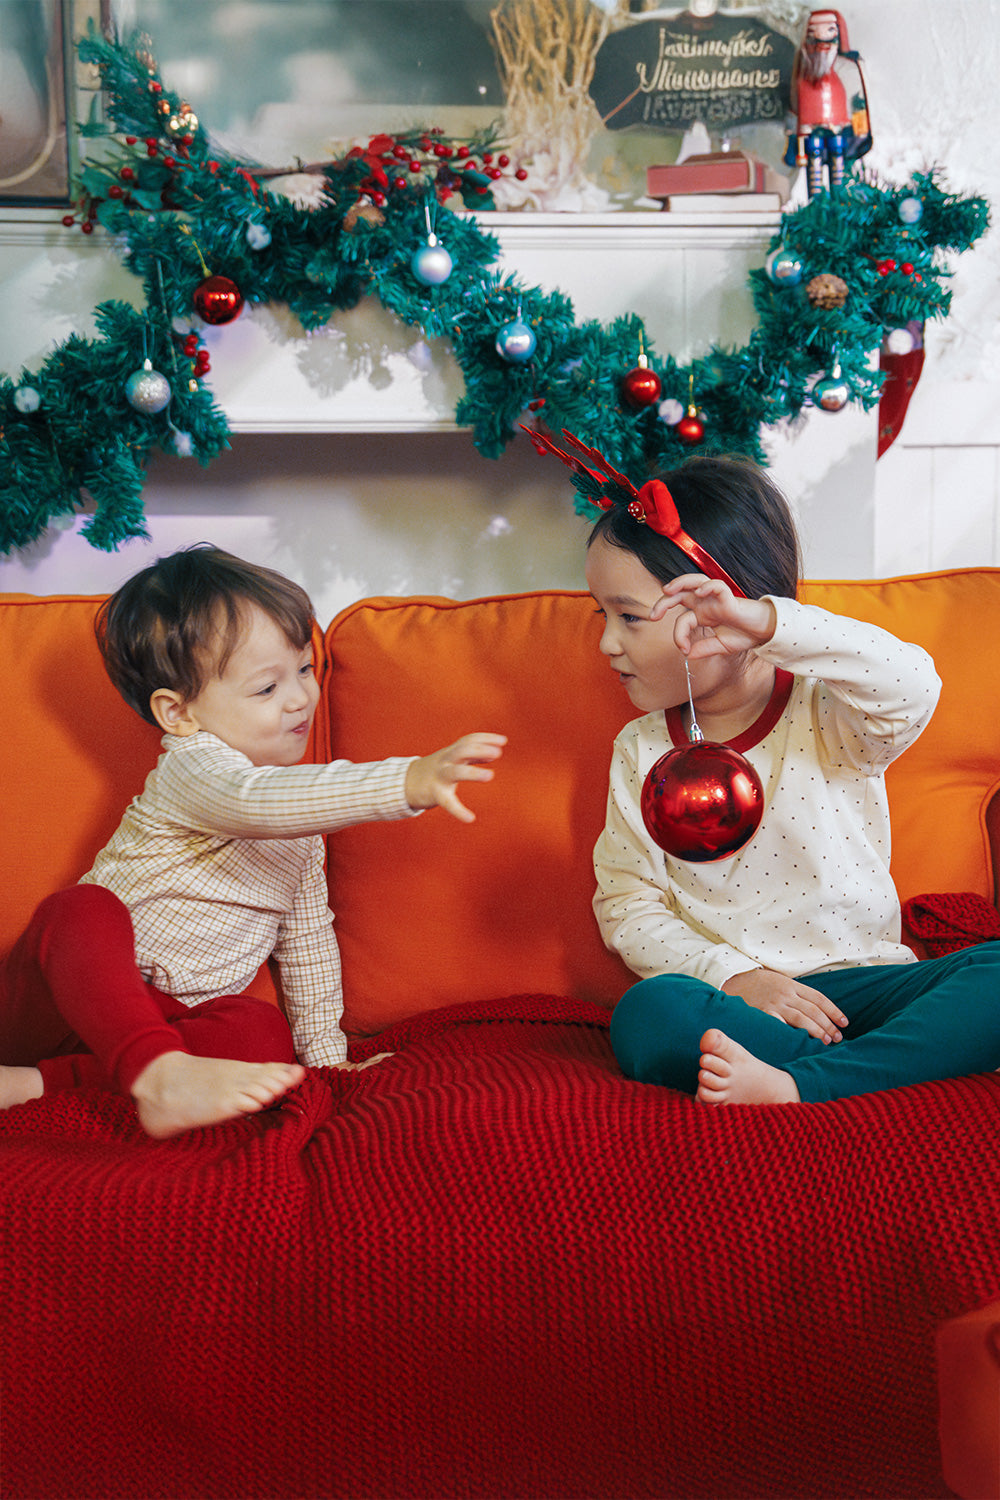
{"type": "Point", "coordinates": [395, 163]}
{"type": "Point", "coordinates": [153, 173]}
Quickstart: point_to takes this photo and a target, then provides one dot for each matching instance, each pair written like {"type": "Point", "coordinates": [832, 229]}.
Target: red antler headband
{"type": "Point", "coordinates": [652, 505]}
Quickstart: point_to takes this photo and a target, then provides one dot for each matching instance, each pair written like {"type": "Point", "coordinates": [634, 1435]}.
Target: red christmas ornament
{"type": "Point", "coordinates": [702, 802]}
{"type": "Point", "coordinates": [641, 386]}
{"type": "Point", "coordinates": [218, 300]}
{"type": "Point", "coordinates": [690, 429]}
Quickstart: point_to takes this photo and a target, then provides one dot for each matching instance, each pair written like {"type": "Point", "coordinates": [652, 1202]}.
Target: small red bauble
{"type": "Point", "coordinates": [702, 802]}
{"type": "Point", "coordinates": [218, 300]}
{"type": "Point", "coordinates": [690, 429]}
{"type": "Point", "coordinates": [641, 386]}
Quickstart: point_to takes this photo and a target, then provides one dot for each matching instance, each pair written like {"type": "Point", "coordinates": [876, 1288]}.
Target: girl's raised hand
{"type": "Point", "coordinates": [431, 779]}
{"type": "Point", "coordinates": [712, 620]}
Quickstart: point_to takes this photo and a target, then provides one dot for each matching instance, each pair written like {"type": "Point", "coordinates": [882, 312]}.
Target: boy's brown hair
{"type": "Point", "coordinates": [179, 621]}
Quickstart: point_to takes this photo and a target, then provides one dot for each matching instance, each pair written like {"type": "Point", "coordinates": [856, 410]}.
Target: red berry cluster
{"type": "Point", "coordinates": [192, 349]}
{"type": "Point", "coordinates": [127, 176]}
{"type": "Point", "coordinates": [887, 267]}
{"type": "Point", "coordinates": [394, 163]}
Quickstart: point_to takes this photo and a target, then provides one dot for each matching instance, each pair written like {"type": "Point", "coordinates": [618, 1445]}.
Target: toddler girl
{"type": "Point", "coordinates": [774, 975]}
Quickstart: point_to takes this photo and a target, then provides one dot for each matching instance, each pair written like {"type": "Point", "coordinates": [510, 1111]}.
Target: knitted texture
{"type": "Point", "coordinates": [950, 921]}
{"type": "Point", "coordinates": [490, 1266]}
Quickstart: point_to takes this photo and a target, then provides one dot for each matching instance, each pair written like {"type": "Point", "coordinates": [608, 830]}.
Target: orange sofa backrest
{"type": "Point", "coordinates": [433, 912]}
{"type": "Point", "coordinates": [72, 754]}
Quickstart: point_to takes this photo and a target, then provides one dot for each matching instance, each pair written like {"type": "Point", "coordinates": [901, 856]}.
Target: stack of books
{"type": "Point", "coordinates": [717, 182]}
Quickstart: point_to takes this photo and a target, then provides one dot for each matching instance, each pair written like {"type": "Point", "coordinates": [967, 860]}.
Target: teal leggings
{"type": "Point", "coordinates": [908, 1023]}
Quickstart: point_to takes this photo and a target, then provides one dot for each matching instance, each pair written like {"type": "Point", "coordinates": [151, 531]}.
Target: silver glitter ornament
{"type": "Point", "coordinates": [147, 390]}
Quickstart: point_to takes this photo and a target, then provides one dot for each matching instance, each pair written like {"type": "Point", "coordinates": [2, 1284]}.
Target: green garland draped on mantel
{"type": "Point", "coordinates": [846, 270]}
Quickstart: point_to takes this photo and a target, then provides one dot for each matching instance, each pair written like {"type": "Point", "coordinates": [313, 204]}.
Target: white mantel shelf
{"type": "Point", "coordinates": [685, 275]}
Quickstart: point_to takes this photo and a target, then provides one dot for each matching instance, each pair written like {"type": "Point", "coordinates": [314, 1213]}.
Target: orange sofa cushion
{"type": "Point", "coordinates": [940, 790]}
{"type": "Point", "coordinates": [72, 755]}
{"type": "Point", "coordinates": [433, 913]}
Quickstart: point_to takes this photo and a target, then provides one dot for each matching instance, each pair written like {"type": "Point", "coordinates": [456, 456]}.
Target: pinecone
{"type": "Point", "coordinates": [827, 290]}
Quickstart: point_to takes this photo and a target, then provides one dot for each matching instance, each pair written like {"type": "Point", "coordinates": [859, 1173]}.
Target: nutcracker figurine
{"type": "Point", "coordinates": [829, 132]}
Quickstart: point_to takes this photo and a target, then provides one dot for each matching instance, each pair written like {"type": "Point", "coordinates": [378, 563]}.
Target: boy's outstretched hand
{"type": "Point", "coordinates": [431, 779]}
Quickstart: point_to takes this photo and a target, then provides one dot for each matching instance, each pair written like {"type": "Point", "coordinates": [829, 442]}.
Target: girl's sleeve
{"type": "Point", "coordinates": [880, 692]}
{"type": "Point", "coordinates": [215, 789]}
{"type": "Point", "coordinates": [309, 963]}
{"type": "Point", "coordinates": [633, 904]}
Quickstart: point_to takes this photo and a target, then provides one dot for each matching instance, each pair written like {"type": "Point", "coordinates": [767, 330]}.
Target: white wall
{"type": "Point", "coordinates": [356, 513]}
{"type": "Point", "coordinates": [932, 77]}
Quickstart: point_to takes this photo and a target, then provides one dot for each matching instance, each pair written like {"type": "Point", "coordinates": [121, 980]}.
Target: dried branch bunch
{"type": "Point", "coordinates": [545, 52]}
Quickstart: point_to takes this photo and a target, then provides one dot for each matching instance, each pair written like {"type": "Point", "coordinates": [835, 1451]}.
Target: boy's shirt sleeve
{"type": "Point", "coordinates": [308, 959]}
{"type": "Point", "coordinates": [218, 790]}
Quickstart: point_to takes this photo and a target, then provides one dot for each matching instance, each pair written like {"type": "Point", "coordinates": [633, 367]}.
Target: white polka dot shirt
{"type": "Point", "coordinates": [811, 890]}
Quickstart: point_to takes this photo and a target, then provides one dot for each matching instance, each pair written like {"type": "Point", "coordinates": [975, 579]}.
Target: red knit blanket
{"type": "Point", "coordinates": [490, 1267]}
{"type": "Point", "coordinates": [944, 923]}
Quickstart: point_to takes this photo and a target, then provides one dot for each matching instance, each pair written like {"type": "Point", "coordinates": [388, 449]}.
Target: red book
{"type": "Point", "coordinates": [715, 172]}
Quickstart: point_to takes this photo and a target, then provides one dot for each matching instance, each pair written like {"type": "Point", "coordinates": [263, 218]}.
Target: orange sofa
{"type": "Point", "coordinates": [546, 1333]}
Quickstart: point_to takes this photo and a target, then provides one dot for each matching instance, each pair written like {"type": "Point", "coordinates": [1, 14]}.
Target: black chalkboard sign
{"type": "Point", "coordinates": [726, 71]}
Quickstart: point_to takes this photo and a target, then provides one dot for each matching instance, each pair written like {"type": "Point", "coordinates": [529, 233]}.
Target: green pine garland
{"type": "Point", "coordinates": [69, 436]}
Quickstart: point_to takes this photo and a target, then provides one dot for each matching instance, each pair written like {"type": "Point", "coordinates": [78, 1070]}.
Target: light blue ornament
{"type": "Point", "coordinates": [516, 342]}
{"type": "Point", "coordinates": [911, 210]}
{"type": "Point", "coordinates": [431, 264]}
{"type": "Point", "coordinates": [27, 399]}
{"type": "Point", "coordinates": [783, 267]}
{"type": "Point", "coordinates": [258, 236]}
{"type": "Point", "coordinates": [832, 393]}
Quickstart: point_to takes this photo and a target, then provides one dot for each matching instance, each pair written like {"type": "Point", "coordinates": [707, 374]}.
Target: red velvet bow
{"type": "Point", "coordinates": [652, 505]}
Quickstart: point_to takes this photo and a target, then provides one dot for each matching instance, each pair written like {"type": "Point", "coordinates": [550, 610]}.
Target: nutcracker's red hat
{"type": "Point", "coordinates": [842, 42]}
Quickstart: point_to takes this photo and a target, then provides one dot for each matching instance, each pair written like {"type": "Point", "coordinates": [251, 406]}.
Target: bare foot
{"type": "Point", "coordinates": [18, 1085]}
{"type": "Point", "coordinates": [731, 1075]}
{"type": "Point", "coordinates": [178, 1091]}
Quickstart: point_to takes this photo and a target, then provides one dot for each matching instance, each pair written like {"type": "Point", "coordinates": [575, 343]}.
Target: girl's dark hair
{"type": "Point", "coordinates": [179, 620]}
{"type": "Point", "coordinates": [732, 508]}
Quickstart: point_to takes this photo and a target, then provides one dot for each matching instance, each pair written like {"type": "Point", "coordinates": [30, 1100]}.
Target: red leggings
{"type": "Point", "coordinates": [74, 1005]}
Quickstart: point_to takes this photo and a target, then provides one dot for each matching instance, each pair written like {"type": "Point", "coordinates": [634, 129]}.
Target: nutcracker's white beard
{"type": "Point", "coordinates": [818, 59]}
